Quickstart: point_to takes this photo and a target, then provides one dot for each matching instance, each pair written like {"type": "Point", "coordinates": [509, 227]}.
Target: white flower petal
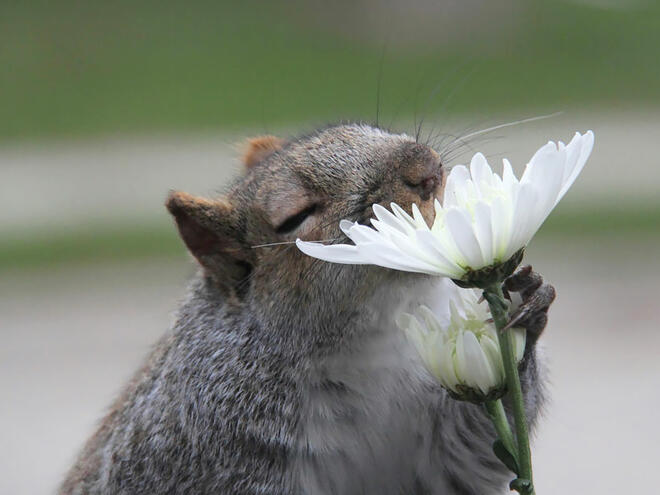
{"type": "Point", "coordinates": [336, 253]}
{"type": "Point", "coordinates": [405, 321]}
{"type": "Point", "coordinates": [543, 154]}
{"type": "Point", "coordinates": [391, 220]}
{"type": "Point", "coordinates": [443, 258]}
{"type": "Point", "coordinates": [435, 347]}
{"type": "Point", "coordinates": [461, 228]}
{"type": "Point", "coordinates": [483, 229]}
{"type": "Point", "coordinates": [361, 233]}
{"type": "Point", "coordinates": [430, 319]}
{"type": "Point", "coordinates": [480, 171]}
{"type": "Point", "coordinates": [521, 232]}
{"type": "Point", "coordinates": [492, 352]}
{"type": "Point", "coordinates": [391, 257]}
{"type": "Point", "coordinates": [585, 143]}
{"type": "Point", "coordinates": [501, 212]}
{"type": "Point", "coordinates": [545, 172]}
{"type": "Point", "coordinates": [402, 215]}
{"type": "Point", "coordinates": [456, 184]}
{"type": "Point", "coordinates": [446, 368]}
{"type": "Point", "coordinates": [419, 218]}
{"type": "Point", "coordinates": [410, 246]}
{"type": "Point", "coordinates": [345, 226]}
{"type": "Point", "coordinates": [386, 229]}
{"type": "Point", "coordinates": [508, 177]}
{"type": "Point", "coordinates": [480, 369]}
{"type": "Point", "coordinates": [463, 371]}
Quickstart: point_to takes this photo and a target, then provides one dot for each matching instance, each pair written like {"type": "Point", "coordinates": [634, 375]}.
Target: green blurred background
{"type": "Point", "coordinates": [75, 70]}
{"type": "Point", "coordinates": [105, 106]}
{"type": "Point", "coordinates": [86, 68]}
{"type": "Point", "coordinates": [94, 71]}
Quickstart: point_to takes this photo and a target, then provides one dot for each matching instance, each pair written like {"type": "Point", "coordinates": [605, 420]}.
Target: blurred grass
{"type": "Point", "coordinates": [602, 224]}
{"type": "Point", "coordinates": [76, 67]}
{"type": "Point", "coordinates": [80, 68]}
{"type": "Point", "coordinates": [110, 242]}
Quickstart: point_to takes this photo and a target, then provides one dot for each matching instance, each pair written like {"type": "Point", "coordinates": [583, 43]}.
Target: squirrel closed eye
{"type": "Point", "coordinates": [294, 221]}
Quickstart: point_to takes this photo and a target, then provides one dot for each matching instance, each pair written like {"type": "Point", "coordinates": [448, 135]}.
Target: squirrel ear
{"type": "Point", "coordinates": [259, 148]}
{"type": "Point", "coordinates": [207, 229]}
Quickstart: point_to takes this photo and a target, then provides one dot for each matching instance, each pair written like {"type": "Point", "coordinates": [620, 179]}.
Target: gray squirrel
{"type": "Point", "coordinates": [283, 374]}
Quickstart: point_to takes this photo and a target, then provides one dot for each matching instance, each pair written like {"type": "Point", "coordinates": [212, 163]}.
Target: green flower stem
{"type": "Point", "coordinates": [495, 409]}
{"type": "Point", "coordinates": [498, 309]}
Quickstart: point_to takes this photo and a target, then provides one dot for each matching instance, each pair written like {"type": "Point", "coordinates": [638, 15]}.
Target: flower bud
{"type": "Point", "coordinates": [459, 346]}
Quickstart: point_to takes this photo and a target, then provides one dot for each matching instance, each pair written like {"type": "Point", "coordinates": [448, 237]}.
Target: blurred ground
{"type": "Point", "coordinates": [73, 335]}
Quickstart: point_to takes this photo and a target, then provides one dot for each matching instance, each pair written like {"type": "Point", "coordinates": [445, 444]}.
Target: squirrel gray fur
{"type": "Point", "coordinates": [283, 374]}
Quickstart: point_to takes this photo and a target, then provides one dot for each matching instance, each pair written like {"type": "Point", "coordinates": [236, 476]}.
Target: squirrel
{"type": "Point", "coordinates": [283, 374]}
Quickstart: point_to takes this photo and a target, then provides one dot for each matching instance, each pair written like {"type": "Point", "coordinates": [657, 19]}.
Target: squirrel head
{"type": "Point", "coordinates": [302, 188]}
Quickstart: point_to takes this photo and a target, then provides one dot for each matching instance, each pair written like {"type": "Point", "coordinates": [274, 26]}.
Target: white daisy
{"type": "Point", "coordinates": [483, 222]}
{"type": "Point", "coordinates": [459, 345]}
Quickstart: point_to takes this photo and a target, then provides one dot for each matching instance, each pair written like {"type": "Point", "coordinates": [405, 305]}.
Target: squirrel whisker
{"type": "Point", "coordinates": [509, 124]}
{"type": "Point", "coordinates": [288, 242]}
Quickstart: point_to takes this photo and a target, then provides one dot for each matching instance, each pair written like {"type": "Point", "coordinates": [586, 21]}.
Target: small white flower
{"type": "Point", "coordinates": [484, 220]}
{"type": "Point", "coordinates": [459, 346]}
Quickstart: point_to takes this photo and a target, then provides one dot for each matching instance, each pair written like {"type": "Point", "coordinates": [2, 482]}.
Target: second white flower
{"type": "Point", "coordinates": [459, 345]}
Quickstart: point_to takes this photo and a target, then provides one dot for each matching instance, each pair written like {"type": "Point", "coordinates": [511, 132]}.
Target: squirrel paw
{"type": "Point", "coordinates": [536, 299]}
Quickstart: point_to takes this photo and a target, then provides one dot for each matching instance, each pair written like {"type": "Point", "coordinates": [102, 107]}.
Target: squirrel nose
{"type": "Point", "coordinates": [421, 169]}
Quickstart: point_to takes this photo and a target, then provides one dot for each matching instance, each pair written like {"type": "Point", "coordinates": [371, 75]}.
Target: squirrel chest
{"type": "Point", "coordinates": [366, 419]}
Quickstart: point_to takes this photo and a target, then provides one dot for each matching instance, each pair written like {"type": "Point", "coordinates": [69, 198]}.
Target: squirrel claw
{"type": "Point", "coordinates": [537, 297]}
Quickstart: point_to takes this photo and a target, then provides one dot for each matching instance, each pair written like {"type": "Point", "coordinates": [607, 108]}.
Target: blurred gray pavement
{"type": "Point", "coordinates": [60, 185]}
{"type": "Point", "coordinates": [64, 184]}
{"type": "Point", "coordinates": [73, 335]}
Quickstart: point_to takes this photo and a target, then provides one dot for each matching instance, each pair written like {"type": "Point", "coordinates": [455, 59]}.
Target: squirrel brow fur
{"type": "Point", "coordinates": [291, 244]}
